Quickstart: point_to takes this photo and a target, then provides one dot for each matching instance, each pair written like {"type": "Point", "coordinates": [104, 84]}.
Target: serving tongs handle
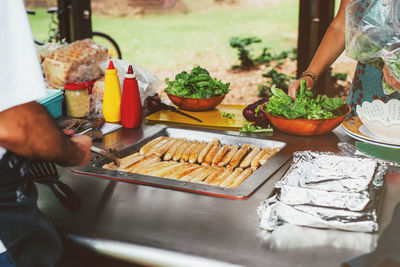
{"type": "Point", "coordinates": [106, 154]}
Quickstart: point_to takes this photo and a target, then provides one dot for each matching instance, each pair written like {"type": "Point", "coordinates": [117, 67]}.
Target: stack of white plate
{"type": "Point", "coordinates": [382, 120]}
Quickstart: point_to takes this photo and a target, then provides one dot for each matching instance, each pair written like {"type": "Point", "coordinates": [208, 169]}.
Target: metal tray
{"type": "Point", "coordinates": [243, 191]}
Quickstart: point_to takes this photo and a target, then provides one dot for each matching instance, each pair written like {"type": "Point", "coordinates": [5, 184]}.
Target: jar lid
{"type": "Point", "coordinates": [75, 86]}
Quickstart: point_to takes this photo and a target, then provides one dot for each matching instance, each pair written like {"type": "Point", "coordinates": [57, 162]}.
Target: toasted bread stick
{"type": "Point", "coordinates": [181, 171]}
{"type": "Point", "coordinates": [269, 155]}
{"type": "Point", "coordinates": [162, 171]}
{"type": "Point", "coordinates": [201, 172]}
{"type": "Point", "coordinates": [174, 147]}
{"type": "Point", "coordinates": [156, 167]}
{"type": "Point", "coordinates": [211, 154]}
{"type": "Point", "coordinates": [228, 156]}
{"type": "Point", "coordinates": [239, 155]}
{"type": "Point", "coordinates": [124, 162]}
{"type": "Point", "coordinates": [249, 158]}
{"type": "Point", "coordinates": [218, 180]}
{"type": "Point", "coordinates": [255, 163]}
{"type": "Point", "coordinates": [201, 176]}
{"type": "Point", "coordinates": [147, 147]}
{"type": "Point", "coordinates": [196, 150]}
{"type": "Point", "coordinates": [188, 151]}
{"type": "Point", "coordinates": [178, 154]}
{"type": "Point", "coordinates": [231, 178]}
{"type": "Point", "coordinates": [203, 153]}
{"type": "Point", "coordinates": [243, 176]}
{"type": "Point", "coordinates": [220, 154]}
{"type": "Point", "coordinates": [142, 163]}
{"type": "Point", "coordinates": [213, 176]}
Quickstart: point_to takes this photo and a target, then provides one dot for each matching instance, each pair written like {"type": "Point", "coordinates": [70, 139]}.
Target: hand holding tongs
{"type": "Point", "coordinates": [106, 154]}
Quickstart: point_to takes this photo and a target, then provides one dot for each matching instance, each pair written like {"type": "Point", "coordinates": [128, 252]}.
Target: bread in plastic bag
{"type": "Point", "coordinates": [373, 35]}
{"type": "Point", "coordinates": [76, 62]}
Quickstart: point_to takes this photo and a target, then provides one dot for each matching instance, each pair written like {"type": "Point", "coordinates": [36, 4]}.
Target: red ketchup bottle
{"type": "Point", "coordinates": [131, 106]}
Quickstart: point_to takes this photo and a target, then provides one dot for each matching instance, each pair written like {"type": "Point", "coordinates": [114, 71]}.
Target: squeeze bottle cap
{"type": "Point", "coordinates": [111, 65]}
{"type": "Point", "coordinates": [130, 73]}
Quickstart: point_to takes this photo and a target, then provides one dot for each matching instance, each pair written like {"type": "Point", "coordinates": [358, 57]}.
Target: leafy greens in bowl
{"type": "Point", "coordinates": [307, 115]}
{"type": "Point", "coordinates": [306, 105]}
{"type": "Point", "coordinates": [196, 84]}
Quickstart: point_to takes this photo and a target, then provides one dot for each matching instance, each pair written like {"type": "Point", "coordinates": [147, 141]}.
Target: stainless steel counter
{"type": "Point", "coordinates": [147, 224]}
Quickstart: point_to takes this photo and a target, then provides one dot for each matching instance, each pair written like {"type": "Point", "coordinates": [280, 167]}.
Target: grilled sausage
{"type": "Point", "coordinates": [211, 154]}
{"type": "Point", "coordinates": [203, 153]}
{"type": "Point", "coordinates": [220, 154]}
{"type": "Point", "coordinates": [243, 176]}
{"type": "Point", "coordinates": [156, 147]}
{"type": "Point", "coordinates": [269, 155]}
{"type": "Point", "coordinates": [228, 156]}
{"type": "Point", "coordinates": [255, 163]}
{"type": "Point", "coordinates": [196, 150]}
{"type": "Point", "coordinates": [239, 155]}
{"type": "Point", "coordinates": [161, 150]}
{"type": "Point", "coordinates": [147, 147]}
{"type": "Point", "coordinates": [249, 158]}
{"type": "Point", "coordinates": [231, 178]}
{"type": "Point", "coordinates": [178, 154]}
{"type": "Point", "coordinates": [174, 147]}
{"type": "Point", "coordinates": [218, 180]}
{"type": "Point", "coordinates": [188, 151]}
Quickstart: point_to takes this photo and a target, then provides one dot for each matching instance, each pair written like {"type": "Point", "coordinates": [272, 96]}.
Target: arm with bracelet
{"type": "Point", "coordinates": [332, 45]}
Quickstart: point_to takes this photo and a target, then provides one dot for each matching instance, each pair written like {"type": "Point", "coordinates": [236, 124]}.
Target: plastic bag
{"type": "Point", "coordinates": [373, 35]}
{"type": "Point", "coordinates": [76, 62]}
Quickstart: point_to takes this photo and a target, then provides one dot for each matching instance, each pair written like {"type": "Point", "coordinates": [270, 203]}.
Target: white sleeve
{"type": "Point", "coordinates": [21, 79]}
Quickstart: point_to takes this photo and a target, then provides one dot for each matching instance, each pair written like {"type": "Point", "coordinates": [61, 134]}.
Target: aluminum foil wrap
{"type": "Point", "coordinates": [326, 191]}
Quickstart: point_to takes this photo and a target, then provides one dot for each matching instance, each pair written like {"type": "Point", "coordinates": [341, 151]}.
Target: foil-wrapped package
{"type": "Point", "coordinates": [326, 191]}
{"type": "Point", "coordinates": [328, 180]}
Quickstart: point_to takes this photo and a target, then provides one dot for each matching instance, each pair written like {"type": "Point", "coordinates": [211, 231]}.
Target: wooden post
{"type": "Point", "coordinates": [75, 19]}
{"type": "Point", "coordinates": [314, 19]}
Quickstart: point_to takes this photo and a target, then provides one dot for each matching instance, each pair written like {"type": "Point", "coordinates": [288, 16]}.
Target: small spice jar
{"type": "Point", "coordinates": [77, 99]}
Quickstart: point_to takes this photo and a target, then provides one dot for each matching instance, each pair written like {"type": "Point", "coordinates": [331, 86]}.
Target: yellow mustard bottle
{"type": "Point", "coordinates": [112, 95]}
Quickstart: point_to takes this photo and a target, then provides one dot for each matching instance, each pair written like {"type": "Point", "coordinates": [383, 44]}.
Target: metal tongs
{"type": "Point", "coordinates": [110, 155]}
{"type": "Point", "coordinates": [174, 109]}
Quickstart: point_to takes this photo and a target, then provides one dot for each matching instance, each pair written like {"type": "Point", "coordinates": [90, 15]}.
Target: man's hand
{"type": "Point", "coordinates": [28, 130]}
{"type": "Point", "coordinates": [390, 79]}
{"type": "Point", "coordinates": [83, 142]}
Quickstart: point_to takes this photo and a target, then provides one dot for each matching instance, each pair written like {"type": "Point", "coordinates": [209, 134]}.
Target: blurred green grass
{"type": "Point", "coordinates": [199, 37]}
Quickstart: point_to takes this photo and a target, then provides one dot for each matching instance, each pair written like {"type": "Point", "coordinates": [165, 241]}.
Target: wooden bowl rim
{"type": "Point", "coordinates": [300, 119]}
{"type": "Point", "coordinates": [195, 97]}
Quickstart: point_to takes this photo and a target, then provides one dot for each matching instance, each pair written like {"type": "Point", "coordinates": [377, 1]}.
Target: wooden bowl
{"type": "Point", "coordinates": [196, 104]}
{"type": "Point", "coordinates": [307, 127]}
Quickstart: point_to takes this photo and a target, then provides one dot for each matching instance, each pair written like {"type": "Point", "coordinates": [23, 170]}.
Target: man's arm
{"type": "Point", "coordinates": [28, 130]}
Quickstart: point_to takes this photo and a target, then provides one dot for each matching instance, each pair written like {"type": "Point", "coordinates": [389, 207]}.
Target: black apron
{"type": "Point", "coordinates": [29, 238]}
